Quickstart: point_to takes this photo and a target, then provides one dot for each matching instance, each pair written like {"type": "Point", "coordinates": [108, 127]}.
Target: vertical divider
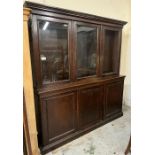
{"type": "Point", "coordinates": [36, 51]}
{"type": "Point", "coordinates": [73, 51]}
{"type": "Point", "coordinates": [119, 51]}
{"type": "Point", "coordinates": [70, 51]}
{"type": "Point", "coordinates": [102, 34]}
{"type": "Point", "coordinates": [98, 51]}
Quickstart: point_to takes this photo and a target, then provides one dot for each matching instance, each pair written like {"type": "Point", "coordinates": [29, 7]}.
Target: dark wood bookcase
{"type": "Point", "coordinates": [75, 61]}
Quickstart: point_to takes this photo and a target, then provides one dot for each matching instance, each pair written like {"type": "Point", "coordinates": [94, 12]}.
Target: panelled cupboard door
{"type": "Point", "coordinates": [113, 98]}
{"type": "Point", "coordinates": [89, 106]}
{"type": "Point", "coordinates": [58, 116]}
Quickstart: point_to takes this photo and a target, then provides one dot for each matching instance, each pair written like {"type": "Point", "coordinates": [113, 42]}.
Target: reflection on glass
{"type": "Point", "coordinates": [86, 50]}
{"type": "Point", "coordinates": [53, 41]}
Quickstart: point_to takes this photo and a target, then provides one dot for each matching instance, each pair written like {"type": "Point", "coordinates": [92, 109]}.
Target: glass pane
{"type": "Point", "coordinates": [53, 41]}
{"type": "Point", "coordinates": [109, 50]}
{"type": "Point", "coordinates": [86, 50]}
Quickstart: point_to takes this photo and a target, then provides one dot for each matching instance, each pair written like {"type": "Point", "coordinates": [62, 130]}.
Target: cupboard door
{"type": "Point", "coordinates": [110, 51]}
{"type": "Point", "coordinates": [58, 116]}
{"type": "Point", "coordinates": [51, 37]}
{"type": "Point", "coordinates": [89, 106]}
{"type": "Point", "coordinates": [86, 49]}
{"type": "Point", "coordinates": [113, 98]}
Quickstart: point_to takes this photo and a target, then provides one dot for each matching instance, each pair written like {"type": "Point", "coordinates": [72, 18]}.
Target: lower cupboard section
{"type": "Point", "coordinates": [58, 116]}
{"type": "Point", "coordinates": [70, 114]}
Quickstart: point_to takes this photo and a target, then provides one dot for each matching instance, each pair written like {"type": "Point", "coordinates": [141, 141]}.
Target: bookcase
{"type": "Point", "coordinates": [76, 60]}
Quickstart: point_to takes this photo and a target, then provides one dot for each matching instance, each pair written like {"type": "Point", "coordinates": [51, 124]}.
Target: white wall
{"type": "Point", "coordinates": [117, 9]}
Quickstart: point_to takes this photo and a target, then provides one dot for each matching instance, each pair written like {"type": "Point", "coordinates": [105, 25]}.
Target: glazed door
{"type": "Point", "coordinates": [86, 42]}
{"type": "Point", "coordinates": [110, 50]}
{"type": "Point", "coordinates": [58, 115]}
{"type": "Point", "coordinates": [51, 49]}
{"type": "Point", "coordinates": [89, 106]}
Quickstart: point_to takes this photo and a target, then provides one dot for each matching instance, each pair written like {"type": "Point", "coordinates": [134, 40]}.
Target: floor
{"type": "Point", "coordinates": [110, 139]}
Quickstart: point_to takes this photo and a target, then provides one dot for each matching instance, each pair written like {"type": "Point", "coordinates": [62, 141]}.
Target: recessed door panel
{"type": "Point", "coordinates": [89, 106]}
{"type": "Point", "coordinates": [113, 101]}
{"type": "Point", "coordinates": [60, 117]}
